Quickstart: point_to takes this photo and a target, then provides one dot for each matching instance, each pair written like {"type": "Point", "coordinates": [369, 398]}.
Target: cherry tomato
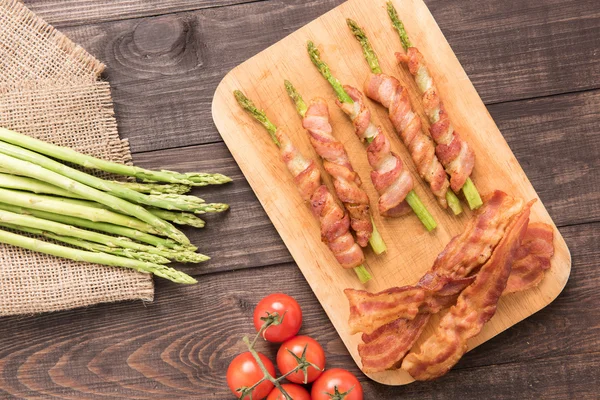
{"type": "Point", "coordinates": [245, 372]}
{"type": "Point", "coordinates": [287, 362]}
{"type": "Point", "coordinates": [297, 392]}
{"type": "Point", "coordinates": [283, 305]}
{"type": "Point", "coordinates": [337, 383]}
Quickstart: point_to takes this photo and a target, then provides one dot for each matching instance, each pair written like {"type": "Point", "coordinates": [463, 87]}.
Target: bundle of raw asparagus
{"type": "Point", "coordinates": [41, 196]}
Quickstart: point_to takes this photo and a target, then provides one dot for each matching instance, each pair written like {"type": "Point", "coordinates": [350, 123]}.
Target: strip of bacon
{"type": "Point", "coordinates": [532, 258]}
{"type": "Point", "coordinates": [388, 91]}
{"type": "Point", "coordinates": [346, 181]}
{"type": "Point", "coordinates": [475, 306]}
{"type": "Point", "coordinates": [335, 224]}
{"type": "Point", "coordinates": [454, 153]}
{"type": "Point", "coordinates": [392, 181]}
{"type": "Point", "coordinates": [463, 255]}
{"type": "Point", "coordinates": [385, 348]}
{"type": "Point", "coordinates": [369, 311]}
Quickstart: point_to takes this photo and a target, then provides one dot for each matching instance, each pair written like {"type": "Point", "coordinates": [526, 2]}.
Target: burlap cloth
{"type": "Point", "coordinates": [49, 89]}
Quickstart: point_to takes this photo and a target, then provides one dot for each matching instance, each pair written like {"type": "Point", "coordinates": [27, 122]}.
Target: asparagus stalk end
{"type": "Point", "coordinates": [419, 208]}
{"type": "Point", "coordinates": [471, 194]}
{"type": "Point", "coordinates": [363, 275]}
{"type": "Point", "coordinates": [376, 241]}
{"type": "Point", "coordinates": [453, 202]}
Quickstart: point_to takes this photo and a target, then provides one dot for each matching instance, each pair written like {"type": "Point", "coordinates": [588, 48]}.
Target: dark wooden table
{"type": "Point", "coordinates": [535, 63]}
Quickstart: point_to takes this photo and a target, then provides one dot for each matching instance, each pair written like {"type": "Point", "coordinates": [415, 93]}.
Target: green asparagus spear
{"type": "Point", "coordinates": [69, 155]}
{"type": "Point", "coordinates": [97, 258]}
{"type": "Point", "coordinates": [399, 26]}
{"type": "Point", "coordinates": [368, 51]}
{"type": "Point", "coordinates": [103, 227]}
{"type": "Point", "coordinates": [469, 190]}
{"type": "Point", "coordinates": [112, 188]}
{"type": "Point", "coordinates": [29, 221]}
{"type": "Point", "coordinates": [95, 247]}
{"type": "Point", "coordinates": [415, 202]}
{"type": "Point", "coordinates": [20, 167]}
{"type": "Point", "coordinates": [9, 181]}
{"type": "Point", "coordinates": [156, 188]}
{"type": "Point", "coordinates": [57, 206]}
{"type": "Point", "coordinates": [376, 241]}
{"type": "Point", "coordinates": [178, 217]}
{"type": "Point", "coordinates": [260, 116]}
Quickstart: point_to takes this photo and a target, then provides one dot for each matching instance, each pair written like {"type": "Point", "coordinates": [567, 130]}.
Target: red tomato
{"type": "Point", "coordinates": [245, 372]}
{"type": "Point", "coordinates": [314, 354]}
{"type": "Point", "coordinates": [297, 392]}
{"type": "Point", "coordinates": [283, 305]}
{"type": "Point", "coordinates": [340, 380]}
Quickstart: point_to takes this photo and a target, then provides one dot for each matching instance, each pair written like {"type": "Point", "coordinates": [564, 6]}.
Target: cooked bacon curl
{"type": "Point", "coordinates": [335, 224]}
{"type": "Point", "coordinates": [346, 181]}
{"type": "Point", "coordinates": [388, 91]}
{"type": "Point", "coordinates": [453, 151]}
{"type": "Point", "coordinates": [392, 181]}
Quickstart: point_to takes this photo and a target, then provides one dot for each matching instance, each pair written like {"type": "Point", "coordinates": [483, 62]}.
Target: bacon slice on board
{"type": "Point", "coordinates": [453, 151]}
{"type": "Point", "coordinates": [335, 224]}
{"type": "Point", "coordinates": [346, 181]}
{"type": "Point", "coordinates": [392, 181]}
{"type": "Point", "coordinates": [475, 306]}
{"type": "Point", "coordinates": [462, 256]}
{"type": "Point", "coordinates": [532, 258]}
{"type": "Point", "coordinates": [388, 91]}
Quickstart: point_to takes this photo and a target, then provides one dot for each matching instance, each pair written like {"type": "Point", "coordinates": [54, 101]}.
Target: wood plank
{"type": "Point", "coordinates": [556, 142]}
{"type": "Point", "coordinates": [180, 345]}
{"type": "Point", "coordinates": [557, 131]}
{"type": "Point", "coordinates": [164, 70]}
{"type": "Point", "coordinates": [262, 76]}
{"type": "Point", "coordinates": [80, 12]}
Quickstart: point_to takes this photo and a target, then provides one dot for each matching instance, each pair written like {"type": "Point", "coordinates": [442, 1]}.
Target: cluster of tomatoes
{"type": "Point", "coordinates": [245, 372]}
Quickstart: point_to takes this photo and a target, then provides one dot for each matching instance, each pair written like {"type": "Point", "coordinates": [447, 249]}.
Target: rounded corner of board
{"type": "Point", "coordinates": [396, 377]}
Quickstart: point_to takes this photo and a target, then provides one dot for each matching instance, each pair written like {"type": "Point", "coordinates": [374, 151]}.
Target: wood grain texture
{"type": "Point", "coordinates": [180, 345]}
{"type": "Point", "coordinates": [163, 81]}
{"type": "Point", "coordinates": [262, 78]}
{"type": "Point", "coordinates": [79, 12]}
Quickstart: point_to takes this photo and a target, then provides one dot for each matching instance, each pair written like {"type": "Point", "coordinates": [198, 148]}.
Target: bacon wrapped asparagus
{"type": "Point", "coordinates": [392, 181]}
{"type": "Point", "coordinates": [347, 183]}
{"type": "Point", "coordinates": [452, 150]}
{"type": "Point", "coordinates": [335, 224]}
{"type": "Point", "coordinates": [388, 91]}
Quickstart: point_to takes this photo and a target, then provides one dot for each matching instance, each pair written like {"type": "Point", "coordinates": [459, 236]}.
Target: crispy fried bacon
{"type": "Point", "coordinates": [336, 162]}
{"type": "Point", "coordinates": [462, 256]}
{"type": "Point", "coordinates": [475, 306]}
{"type": "Point", "coordinates": [335, 224]}
{"type": "Point", "coordinates": [392, 181]}
{"type": "Point", "coordinates": [335, 229]}
{"type": "Point", "coordinates": [369, 311]}
{"type": "Point", "coordinates": [454, 153]}
{"type": "Point", "coordinates": [392, 95]}
{"type": "Point", "coordinates": [385, 348]}
{"type": "Point", "coordinates": [532, 258]}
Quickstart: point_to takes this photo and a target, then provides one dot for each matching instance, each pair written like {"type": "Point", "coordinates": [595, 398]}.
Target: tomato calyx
{"type": "Point", "coordinates": [337, 395]}
{"type": "Point", "coordinates": [272, 319]}
{"type": "Point", "coordinates": [303, 364]}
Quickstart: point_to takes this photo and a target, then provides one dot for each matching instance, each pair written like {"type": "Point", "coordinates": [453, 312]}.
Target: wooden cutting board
{"type": "Point", "coordinates": [411, 249]}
